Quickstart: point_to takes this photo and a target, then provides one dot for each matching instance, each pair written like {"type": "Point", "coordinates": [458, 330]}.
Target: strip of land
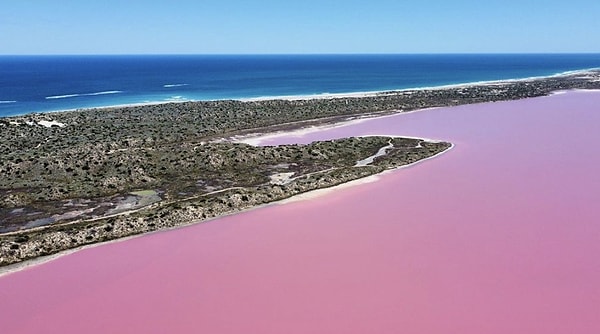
{"type": "Point", "coordinates": [81, 177]}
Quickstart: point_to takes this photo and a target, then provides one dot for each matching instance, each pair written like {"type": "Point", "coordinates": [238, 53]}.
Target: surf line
{"type": "Point", "coordinates": [54, 97]}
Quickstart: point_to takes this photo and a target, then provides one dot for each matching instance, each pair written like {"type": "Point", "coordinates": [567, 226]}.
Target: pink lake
{"type": "Point", "coordinates": [499, 235]}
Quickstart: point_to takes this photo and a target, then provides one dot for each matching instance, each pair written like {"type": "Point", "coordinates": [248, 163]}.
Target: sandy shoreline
{"type": "Point", "coordinates": [369, 179]}
{"type": "Point", "coordinates": [12, 268]}
{"type": "Point", "coordinates": [376, 93]}
{"type": "Point", "coordinates": [324, 96]}
{"type": "Point", "coordinates": [257, 138]}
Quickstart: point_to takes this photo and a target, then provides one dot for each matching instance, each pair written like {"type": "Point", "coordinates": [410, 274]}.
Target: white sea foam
{"type": "Point", "coordinates": [321, 96]}
{"type": "Point", "coordinates": [177, 98]}
{"type": "Point", "coordinates": [105, 93]}
{"type": "Point", "coordinates": [66, 96]}
{"type": "Point", "coordinates": [175, 85]}
{"type": "Point", "coordinates": [7, 101]}
{"type": "Point", "coordinates": [54, 97]}
{"type": "Point", "coordinates": [409, 90]}
{"type": "Point", "coordinates": [406, 91]}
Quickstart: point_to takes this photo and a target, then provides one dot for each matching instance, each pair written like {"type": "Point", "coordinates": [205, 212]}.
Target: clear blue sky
{"type": "Point", "coordinates": [301, 26]}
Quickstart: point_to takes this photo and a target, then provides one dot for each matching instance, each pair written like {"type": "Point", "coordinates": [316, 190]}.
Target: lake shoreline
{"type": "Point", "coordinates": [204, 126]}
{"type": "Point", "coordinates": [505, 223]}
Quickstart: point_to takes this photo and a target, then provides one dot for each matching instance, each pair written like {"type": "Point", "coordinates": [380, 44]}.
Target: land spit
{"type": "Point", "coordinates": [87, 176]}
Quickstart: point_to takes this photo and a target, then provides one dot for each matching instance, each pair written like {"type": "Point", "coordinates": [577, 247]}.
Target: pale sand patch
{"type": "Point", "coordinates": [43, 123]}
{"type": "Point", "coordinates": [281, 178]}
{"type": "Point", "coordinates": [579, 90]}
{"type": "Point", "coordinates": [51, 123]}
{"type": "Point", "coordinates": [368, 160]}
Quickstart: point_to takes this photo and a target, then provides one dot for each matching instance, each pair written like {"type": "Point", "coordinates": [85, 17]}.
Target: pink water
{"type": "Point", "coordinates": [500, 235]}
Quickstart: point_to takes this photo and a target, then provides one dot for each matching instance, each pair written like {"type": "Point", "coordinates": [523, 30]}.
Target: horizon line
{"type": "Point", "coordinates": [298, 54]}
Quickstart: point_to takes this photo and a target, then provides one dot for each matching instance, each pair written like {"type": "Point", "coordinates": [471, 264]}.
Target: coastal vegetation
{"type": "Point", "coordinates": [61, 201]}
{"type": "Point", "coordinates": [81, 177]}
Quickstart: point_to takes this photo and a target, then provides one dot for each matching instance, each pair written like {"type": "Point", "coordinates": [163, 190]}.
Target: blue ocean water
{"type": "Point", "coordinates": [50, 83]}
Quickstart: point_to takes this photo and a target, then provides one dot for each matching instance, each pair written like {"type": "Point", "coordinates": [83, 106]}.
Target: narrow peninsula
{"type": "Point", "coordinates": [81, 177]}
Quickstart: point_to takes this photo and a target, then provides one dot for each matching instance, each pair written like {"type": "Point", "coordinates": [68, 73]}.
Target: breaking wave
{"type": "Point", "coordinates": [175, 85]}
{"type": "Point", "coordinates": [66, 96]}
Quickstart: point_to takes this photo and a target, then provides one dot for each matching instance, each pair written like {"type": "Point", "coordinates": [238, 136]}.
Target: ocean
{"type": "Point", "coordinates": [51, 83]}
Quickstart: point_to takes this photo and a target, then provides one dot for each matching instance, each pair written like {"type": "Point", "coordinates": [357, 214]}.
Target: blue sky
{"type": "Point", "coordinates": [307, 26]}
